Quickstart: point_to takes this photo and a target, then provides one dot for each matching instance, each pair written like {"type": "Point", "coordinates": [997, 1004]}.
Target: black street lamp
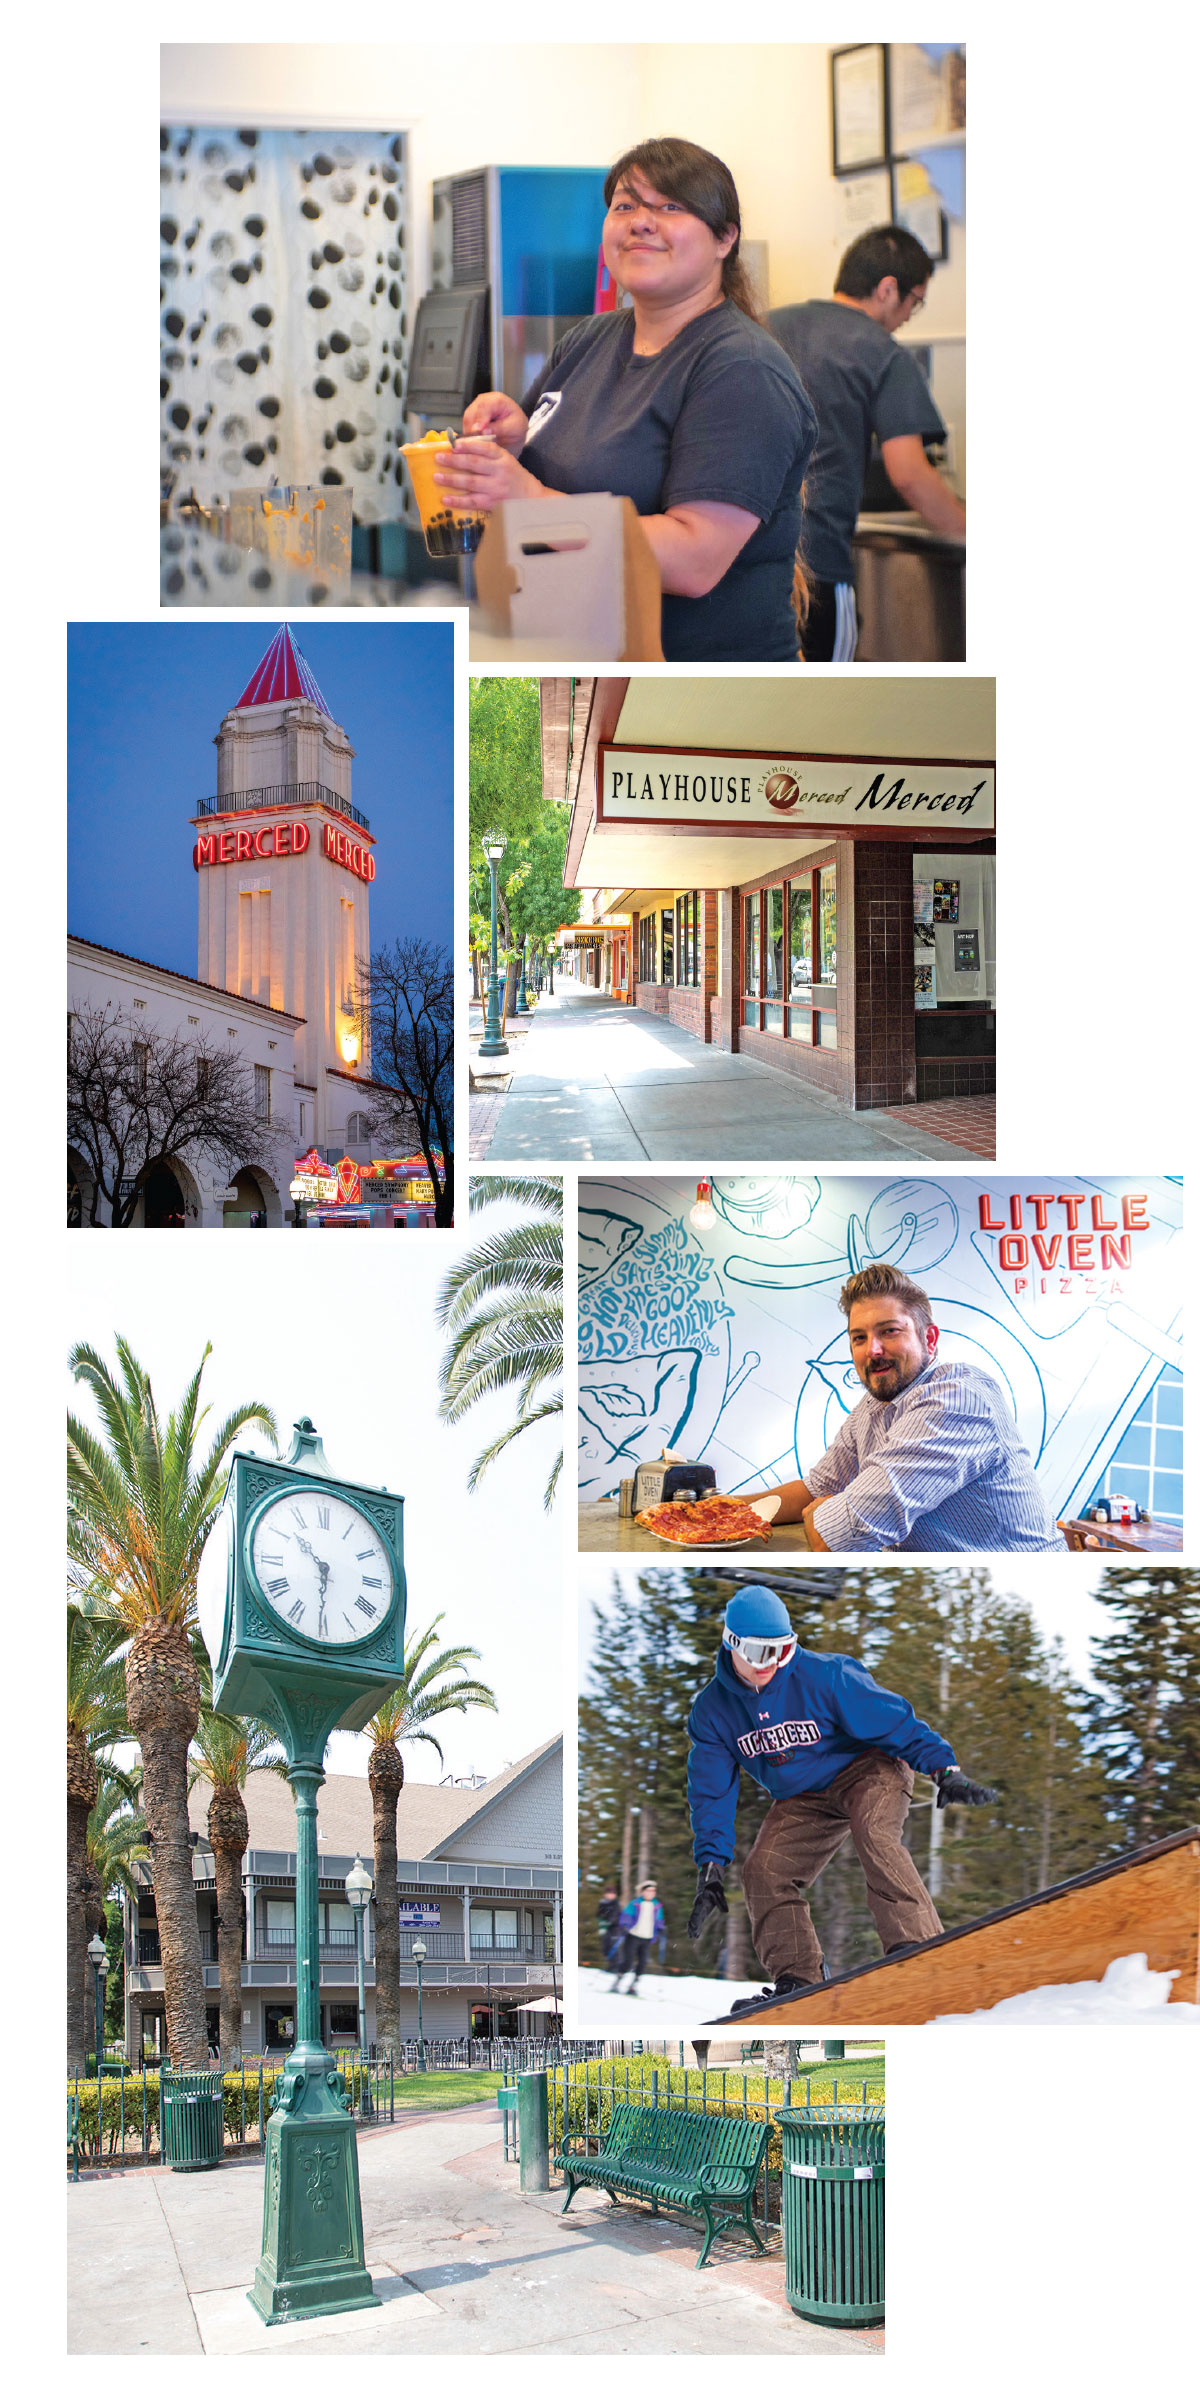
{"type": "Point", "coordinates": [521, 1007]}
{"type": "Point", "coordinates": [419, 1953]}
{"type": "Point", "coordinates": [493, 1044]}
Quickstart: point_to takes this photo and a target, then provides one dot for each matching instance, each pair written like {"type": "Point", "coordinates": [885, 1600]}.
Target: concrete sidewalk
{"type": "Point", "coordinates": [160, 2264]}
{"type": "Point", "coordinates": [594, 1080]}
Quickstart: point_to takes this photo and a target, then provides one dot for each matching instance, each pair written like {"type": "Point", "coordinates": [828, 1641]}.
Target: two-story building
{"type": "Point", "coordinates": [479, 1882]}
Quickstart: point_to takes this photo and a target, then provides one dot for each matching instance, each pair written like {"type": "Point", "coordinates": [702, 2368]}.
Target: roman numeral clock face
{"type": "Point", "coordinates": [322, 1567]}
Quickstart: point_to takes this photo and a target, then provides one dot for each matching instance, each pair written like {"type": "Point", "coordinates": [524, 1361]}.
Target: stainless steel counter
{"type": "Point", "coordinates": [909, 581]}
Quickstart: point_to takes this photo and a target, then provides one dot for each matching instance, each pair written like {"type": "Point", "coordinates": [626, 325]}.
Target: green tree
{"type": "Point", "coordinates": [116, 1840]}
{"type": "Point", "coordinates": [95, 1722]}
{"type": "Point", "coordinates": [141, 1504]}
{"type": "Point", "coordinates": [435, 1681]}
{"type": "Point", "coordinates": [507, 795]}
{"type": "Point", "coordinates": [1145, 1715]}
{"type": "Point", "coordinates": [224, 1751]}
{"type": "Point", "coordinates": [502, 1308]}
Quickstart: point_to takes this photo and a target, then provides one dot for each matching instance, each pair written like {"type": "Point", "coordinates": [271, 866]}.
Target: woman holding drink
{"type": "Point", "coordinates": [684, 403]}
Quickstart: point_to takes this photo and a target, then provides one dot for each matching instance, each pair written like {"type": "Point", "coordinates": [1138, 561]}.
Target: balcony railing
{"type": "Point", "coordinates": [276, 1944]}
{"type": "Point", "coordinates": [450, 1945]}
{"type": "Point", "coordinates": [150, 1947]}
{"type": "Point", "coordinates": [280, 795]}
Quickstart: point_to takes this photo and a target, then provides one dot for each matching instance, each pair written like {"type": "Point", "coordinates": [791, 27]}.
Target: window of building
{"type": "Point", "coordinates": [668, 945]}
{"type": "Point", "coordinates": [1147, 1465]}
{"type": "Point", "coordinates": [493, 1928]}
{"type": "Point", "coordinates": [337, 1925]}
{"type": "Point", "coordinates": [356, 1127]}
{"type": "Point", "coordinates": [687, 940]}
{"type": "Point", "coordinates": [751, 957]}
{"type": "Point", "coordinates": [141, 1063]}
{"type": "Point", "coordinates": [281, 1922]}
{"type": "Point", "coordinates": [789, 958]}
{"type": "Point", "coordinates": [262, 1095]}
{"type": "Point", "coordinates": [343, 2021]}
{"type": "Point", "coordinates": [279, 2026]}
{"type": "Point", "coordinates": [648, 950]}
{"type": "Point", "coordinates": [203, 1078]}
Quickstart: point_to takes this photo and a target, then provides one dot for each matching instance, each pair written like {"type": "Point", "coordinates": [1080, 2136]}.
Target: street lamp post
{"type": "Point", "coordinates": [493, 1044]}
{"type": "Point", "coordinates": [419, 1953]}
{"type": "Point", "coordinates": [98, 1957]}
{"type": "Point", "coordinates": [296, 1192]}
{"type": "Point", "coordinates": [521, 1007]}
{"type": "Point", "coordinates": [359, 1887]}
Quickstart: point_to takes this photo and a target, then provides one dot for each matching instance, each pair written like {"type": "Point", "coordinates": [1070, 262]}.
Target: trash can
{"type": "Point", "coordinates": [833, 2213]}
{"type": "Point", "coordinates": [193, 2118]}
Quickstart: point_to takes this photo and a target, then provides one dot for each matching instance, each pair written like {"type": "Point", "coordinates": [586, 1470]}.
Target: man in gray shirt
{"type": "Point", "coordinates": [931, 1459]}
{"type": "Point", "coordinates": [863, 386]}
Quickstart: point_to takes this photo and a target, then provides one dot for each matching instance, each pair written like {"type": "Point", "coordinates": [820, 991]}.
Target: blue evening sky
{"type": "Point", "coordinates": [144, 703]}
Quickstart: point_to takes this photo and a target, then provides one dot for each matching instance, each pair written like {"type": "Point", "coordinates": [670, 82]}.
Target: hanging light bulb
{"type": "Point", "coordinates": [702, 1214]}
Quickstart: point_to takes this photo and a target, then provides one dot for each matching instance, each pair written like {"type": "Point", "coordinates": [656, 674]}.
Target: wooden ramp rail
{"type": "Point", "coordinates": [1148, 1900]}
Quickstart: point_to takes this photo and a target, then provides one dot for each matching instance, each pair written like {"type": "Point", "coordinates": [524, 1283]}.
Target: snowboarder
{"type": "Point", "coordinates": [641, 1923]}
{"type": "Point", "coordinates": [836, 1752]}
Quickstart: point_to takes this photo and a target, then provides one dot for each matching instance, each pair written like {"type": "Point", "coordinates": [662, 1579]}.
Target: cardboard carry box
{"type": "Point", "coordinates": [577, 570]}
{"type": "Point", "coordinates": [302, 525]}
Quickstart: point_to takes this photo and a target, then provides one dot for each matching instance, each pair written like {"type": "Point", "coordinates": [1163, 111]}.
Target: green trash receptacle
{"type": "Point", "coordinates": [833, 2174]}
{"type": "Point", "coordinates": [192, 2104]}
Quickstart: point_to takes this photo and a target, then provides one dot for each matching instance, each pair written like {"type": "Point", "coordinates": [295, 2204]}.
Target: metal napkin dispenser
{"type": "Point", "coordinates": [660, 1479]}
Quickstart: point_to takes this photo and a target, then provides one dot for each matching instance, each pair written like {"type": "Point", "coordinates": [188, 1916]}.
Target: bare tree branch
{"type": "Point", "coordinates": [412, 1055]}
{"type": "Point", "coordinates": [140, 1096]}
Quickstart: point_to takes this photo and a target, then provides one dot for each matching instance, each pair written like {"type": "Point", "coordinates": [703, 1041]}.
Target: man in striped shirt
{"type": "Point", "coordinates": [931, 1458]}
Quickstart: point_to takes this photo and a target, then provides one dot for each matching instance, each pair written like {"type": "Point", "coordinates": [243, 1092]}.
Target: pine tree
{"type": "Point", "coordinates": [1145, 1716]}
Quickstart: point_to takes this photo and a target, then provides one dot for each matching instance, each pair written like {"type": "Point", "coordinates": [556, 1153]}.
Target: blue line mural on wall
{"type": "Point", "coordinates": [727, 1344]}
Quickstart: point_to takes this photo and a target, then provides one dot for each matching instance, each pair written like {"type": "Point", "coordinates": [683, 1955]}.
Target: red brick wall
{"type": "Point", "coordinates": [652, 996]}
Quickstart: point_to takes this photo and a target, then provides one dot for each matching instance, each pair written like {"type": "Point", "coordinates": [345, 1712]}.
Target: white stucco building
{"type": "Point", "coordinates": [284, 864]}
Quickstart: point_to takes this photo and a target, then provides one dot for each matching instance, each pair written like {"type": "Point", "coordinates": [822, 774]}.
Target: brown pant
{"type": "Point", "coordinates": [869, 1800]}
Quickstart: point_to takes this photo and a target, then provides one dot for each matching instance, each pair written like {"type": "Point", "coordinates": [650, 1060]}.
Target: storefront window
{"type": "Point", "coordinates": [750, 945]}
{"type": "Point", "coordinates": [800, 1024]}
{"type": "Point", "coordinates": [828, 925]}
{"type": "Point", "coordinates": [687, 943]}
{"type": "Point", "coordinates": [773, 984]}
{"type": "Point", "coordinates": [648, 949]}
{"type": "Point", "coordinates": [800, 942]}
{"type": "Point", "coordinates": [668, 945]}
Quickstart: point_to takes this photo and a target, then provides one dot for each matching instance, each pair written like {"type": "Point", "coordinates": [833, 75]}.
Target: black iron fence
{"type": "Point", "coordinates": [508, 2054]}
{"type": "Point", "coordinates": [584, 2092]}
{"type": "Point", "coordinates": [120, 2114]}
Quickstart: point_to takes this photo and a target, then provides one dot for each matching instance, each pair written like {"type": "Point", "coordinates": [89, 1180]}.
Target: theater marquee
{"type": "Point", "coordinates": [768, 792]}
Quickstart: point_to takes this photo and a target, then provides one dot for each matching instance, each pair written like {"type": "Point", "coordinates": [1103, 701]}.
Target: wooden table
{"type": "Point", "coordinates": [601, 1528]}
{"type": "Point", "coordinates": [1149, 1536]}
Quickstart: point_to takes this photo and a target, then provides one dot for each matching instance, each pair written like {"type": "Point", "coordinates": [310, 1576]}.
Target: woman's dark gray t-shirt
{"type": "Point", "coordinates": [719, 415]}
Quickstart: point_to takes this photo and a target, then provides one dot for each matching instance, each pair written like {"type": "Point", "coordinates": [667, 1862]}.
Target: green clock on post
{"type": "Point", "coordinates": [301, 1603]}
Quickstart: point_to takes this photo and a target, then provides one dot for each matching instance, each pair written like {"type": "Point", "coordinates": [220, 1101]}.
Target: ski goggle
{"type": "Point", "coordinates": [759, 1652]}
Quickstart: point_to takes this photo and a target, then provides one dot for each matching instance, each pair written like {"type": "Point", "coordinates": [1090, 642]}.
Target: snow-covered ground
{"type": "Point", "coordinates": [673, 2003]}
{"type": "Point", "coordinates": [1129, 1994]}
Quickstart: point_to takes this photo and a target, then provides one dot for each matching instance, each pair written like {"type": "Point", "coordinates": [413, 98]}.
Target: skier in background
{"type": "Point", "coordinates": [837, 1753]}
{"type": "Point", "coordinates": [608, 1915]}
{"type": "Point", "coordinates": [642, 1923]}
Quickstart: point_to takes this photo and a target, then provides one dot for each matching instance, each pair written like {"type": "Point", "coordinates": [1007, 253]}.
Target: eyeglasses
{"type": "Point", "coordinates": [762, 1653]}
{"type": "Point", "coordinates": [917, 305]}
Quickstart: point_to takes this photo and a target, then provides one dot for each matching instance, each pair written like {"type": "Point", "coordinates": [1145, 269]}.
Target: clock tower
{"type": "Point", "coordinates": [285, 863]}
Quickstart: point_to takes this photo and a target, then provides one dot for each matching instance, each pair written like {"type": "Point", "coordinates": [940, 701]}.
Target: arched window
{"type": "Point", "coordinates": [356, 1127]}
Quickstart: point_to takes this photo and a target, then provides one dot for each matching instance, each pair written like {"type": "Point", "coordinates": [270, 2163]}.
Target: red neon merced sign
{"type": "Point", "coordinates": [236, 844]}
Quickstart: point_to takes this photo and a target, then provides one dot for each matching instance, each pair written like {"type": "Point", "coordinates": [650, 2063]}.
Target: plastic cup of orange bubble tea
{"type": "Point", "coordinates": [449, 532]}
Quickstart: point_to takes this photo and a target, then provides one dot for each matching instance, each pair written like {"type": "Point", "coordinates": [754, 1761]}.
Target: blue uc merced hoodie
{"type": "Point", "coordinates": [817, 1715]}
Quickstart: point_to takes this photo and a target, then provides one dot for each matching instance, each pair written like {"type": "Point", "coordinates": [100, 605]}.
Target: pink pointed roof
{"type": "Point", "coordinates": [283, 674]}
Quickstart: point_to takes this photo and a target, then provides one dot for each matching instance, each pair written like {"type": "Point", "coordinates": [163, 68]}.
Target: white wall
{"type": "Point", "coordinates": [763, 106]}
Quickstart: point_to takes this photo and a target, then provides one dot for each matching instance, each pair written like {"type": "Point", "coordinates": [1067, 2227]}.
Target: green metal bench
{"type": "Point", "coordinates": [677, 2156]}
{"type": "Point", "coordinates": [73, 2134]}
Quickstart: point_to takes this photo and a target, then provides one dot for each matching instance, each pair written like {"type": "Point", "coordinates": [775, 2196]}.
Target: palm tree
{"type": "Point", "coordinates": [141, 1504]}
{"type": "Point", "coordinates": [116, 1839]}
{"type": "Point", "coordinates": [95, 1720]}
{"type": "Point", "coordinates": [404, 1717]}
{"type": "Point", "coordinates": [224, 1752]}
{"type": "Point", "coordinates": [502, 1306]}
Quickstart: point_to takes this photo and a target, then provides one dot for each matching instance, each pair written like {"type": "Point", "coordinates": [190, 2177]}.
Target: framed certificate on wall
{"type": "Point", "coordinates": [858, 82]}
